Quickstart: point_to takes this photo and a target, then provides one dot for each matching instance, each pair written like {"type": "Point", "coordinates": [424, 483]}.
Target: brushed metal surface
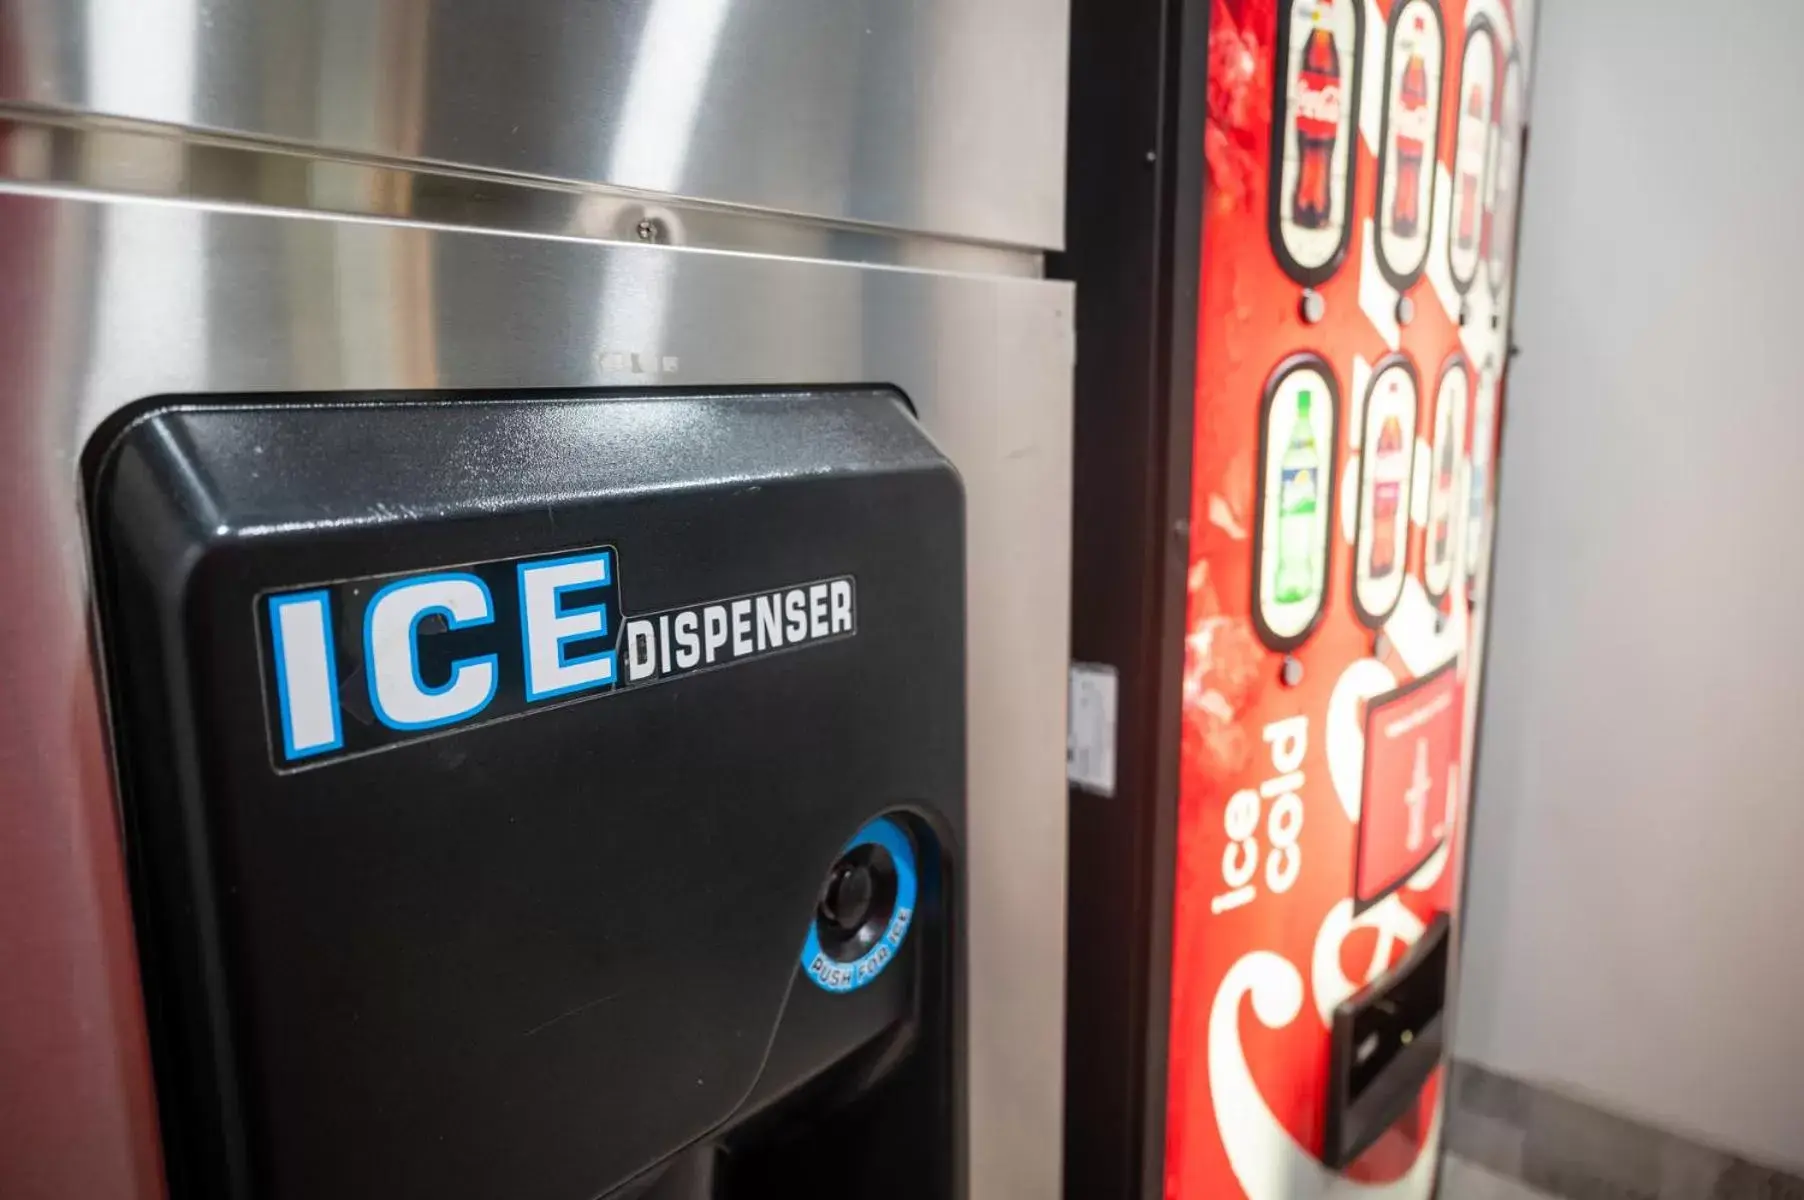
{"type": "Point", "coordinates": [941, 116]}
{"type": "Point", "coordinates": [91, 153]}
{"type": "Point", "coordinates": [104, 301]}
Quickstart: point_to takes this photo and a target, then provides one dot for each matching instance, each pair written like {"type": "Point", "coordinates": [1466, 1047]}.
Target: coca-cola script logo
{"type": "Point", "coordinates": [1281, 673]}
{"type": "Point", "coordinates": [1319, 100]}
{"type": "Point", "coordinates": [1267, 1159]}
{"type": "Point", "coordinates": [1415, 124]}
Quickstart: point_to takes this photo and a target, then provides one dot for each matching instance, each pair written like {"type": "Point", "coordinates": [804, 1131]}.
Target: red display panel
{"type": "Point", "coordinates": [1412, 763]}
{"type": "Point", "coordinates": [1362, 179]}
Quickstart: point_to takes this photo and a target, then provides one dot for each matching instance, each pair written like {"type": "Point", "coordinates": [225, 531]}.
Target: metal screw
{"type": "Point", "coordinates": [1406, 310]}
{"type": "Point", "coordinates": [650, 229]}
{"type": "Point", "coordinates": [1312, 306]}
{"type": "Point", "coordinates": [1291, 674]}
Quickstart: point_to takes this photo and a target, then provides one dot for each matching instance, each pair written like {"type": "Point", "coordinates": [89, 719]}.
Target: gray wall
{"type": "Point", "coordinates": [1636, 918]}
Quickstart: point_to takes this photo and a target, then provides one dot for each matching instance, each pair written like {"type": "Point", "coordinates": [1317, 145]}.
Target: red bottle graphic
{"type": "Point", "coordinates": [1467, 231]}
{"type": "Point", "coordinates": [1441, 503]}
{"type": "Point", "coordinates": [1318, 125]}
{"type": "Point", "coordinates": [1413, 119]}
{"type": "Point", "coordinates": [1388, 471]}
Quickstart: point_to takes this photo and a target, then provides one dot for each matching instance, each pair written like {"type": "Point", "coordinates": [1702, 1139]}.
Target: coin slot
{"type": "Point", "coordinates": [1386, 1042]}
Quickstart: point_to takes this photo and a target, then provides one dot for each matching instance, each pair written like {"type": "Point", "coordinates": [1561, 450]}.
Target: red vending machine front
{"type": "Point", "coordinates": [1330, 205]}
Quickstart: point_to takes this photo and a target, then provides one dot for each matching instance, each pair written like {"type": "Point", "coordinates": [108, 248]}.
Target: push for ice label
{"type": "Point", "coordinates": [1298, 438]}
{"type": "Point", "coordinates": [860, 960]}
{"type": "Point", "coordinates": [360, 665]}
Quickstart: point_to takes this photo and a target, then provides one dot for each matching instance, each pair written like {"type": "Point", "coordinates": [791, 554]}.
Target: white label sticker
{"type": "Point", "coordinates": [1090, 743]}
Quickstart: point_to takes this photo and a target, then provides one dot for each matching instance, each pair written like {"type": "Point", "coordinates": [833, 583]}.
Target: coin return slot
{"type": "Point", "coordinates": [1387, 1040]}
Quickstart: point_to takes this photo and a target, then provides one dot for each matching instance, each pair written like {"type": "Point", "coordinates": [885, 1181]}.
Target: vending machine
{"type": "Point", "coordinates": [536, 555]}
{"type": "Point", "coordinates": [1293, 244]}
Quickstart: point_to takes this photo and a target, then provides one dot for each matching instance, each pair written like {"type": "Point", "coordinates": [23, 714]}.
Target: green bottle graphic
{"type": "Point", "coordinates": [1297, 577]}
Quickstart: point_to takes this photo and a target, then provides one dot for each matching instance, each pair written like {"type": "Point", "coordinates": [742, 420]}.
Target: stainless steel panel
{"type": "Point", "coordinates": [105, 301]}
{"type": "Point", "coordinates": [78, 150]}
{"type": "Point", "coordinates": [941, 116]}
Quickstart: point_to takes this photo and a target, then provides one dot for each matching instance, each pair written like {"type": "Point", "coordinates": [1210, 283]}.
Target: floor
{"type": "Point", "coordinates": [1462, 1180]}
{"type": "Point", "coordinates": [1502, 1131]}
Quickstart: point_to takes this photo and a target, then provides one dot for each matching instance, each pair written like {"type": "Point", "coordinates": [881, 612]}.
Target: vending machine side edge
{"type": "Point", "coordinates": [1134, 220]}
{"type": "Point", "coordinates": [1265, 893]}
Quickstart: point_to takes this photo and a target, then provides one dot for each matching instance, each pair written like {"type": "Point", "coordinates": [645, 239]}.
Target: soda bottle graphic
{"type": "Point", "coordinates": [1440, 504]}
{"type": "Point", "coordinates": [1471, 164]}
{"type": "Point", "coordinates": [1317, 124]}
{"type": "Point", "coordinates": [1412, 122]}
{"type": "Point", "coordinates": [1478, 476]}
{"type": "Point", "coordinates": [1475, 511]}
{"type": "Point", "coordinates": [1387, 491]}
{"type": "Point", "coordinates": [1297, 577]}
